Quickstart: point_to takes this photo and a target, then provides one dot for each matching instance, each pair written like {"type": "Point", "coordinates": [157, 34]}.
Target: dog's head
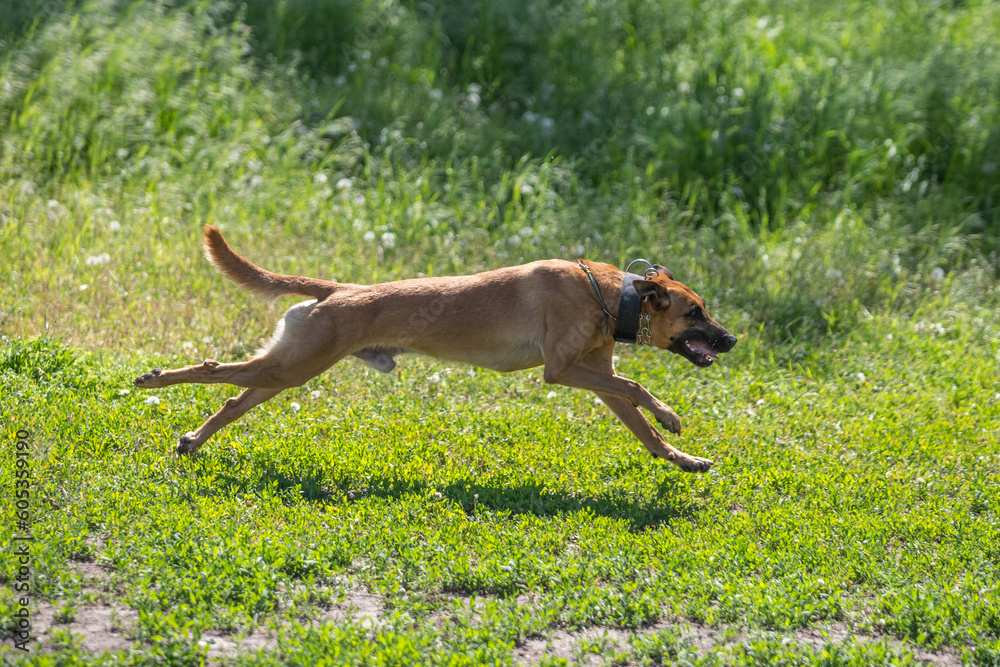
{"type": "Point", "coordinates": [679, 321]}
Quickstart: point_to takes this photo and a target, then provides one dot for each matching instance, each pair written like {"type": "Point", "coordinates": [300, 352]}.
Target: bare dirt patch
{"type": "Point", "coordinates": [100, 626]}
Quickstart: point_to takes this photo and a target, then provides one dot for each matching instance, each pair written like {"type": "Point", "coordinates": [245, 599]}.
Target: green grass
{"type": "Point", "coordinates": [864, 504]}
{"type": "Point", "coordinates": [825, 178]}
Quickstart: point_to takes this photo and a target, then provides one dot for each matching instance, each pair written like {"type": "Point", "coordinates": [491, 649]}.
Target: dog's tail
{"type": "Point", "coordinates": [247, 274]}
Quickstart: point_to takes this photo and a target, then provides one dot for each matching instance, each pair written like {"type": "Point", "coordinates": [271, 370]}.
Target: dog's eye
{"type": "Point", "coordinates": [695, 314]}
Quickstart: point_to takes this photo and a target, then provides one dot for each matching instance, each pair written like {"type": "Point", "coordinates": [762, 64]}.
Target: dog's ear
{"type": "Point", "coordinates": [663, 271]}
{"type": "Point", "coordinates": [657, 293]}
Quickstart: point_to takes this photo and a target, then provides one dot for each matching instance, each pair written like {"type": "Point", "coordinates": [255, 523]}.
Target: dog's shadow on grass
{"type": "Point", "coordinates": [541, 501]}
{"type": "Point", "coordinates": [671, 500]}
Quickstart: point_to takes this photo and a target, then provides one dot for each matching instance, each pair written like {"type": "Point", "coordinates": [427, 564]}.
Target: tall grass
{"type": "Point", "coordinates": [834, 161]}
{"type": "Point", "coordinates": [752, 111]}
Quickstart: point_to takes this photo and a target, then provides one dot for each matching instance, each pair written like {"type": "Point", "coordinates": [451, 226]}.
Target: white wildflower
{"type": "Point", "coordinates": [152, 400]}
{"type": "Point", "coordinates": [436, 94]}
{"type": "Point", "coordinates": [320, 179]}
{"type": "Point", "coordinates": [388, 240]}
{"type": "Point", "coordinates": [315, 393]}
{"type": "Point", "coordinates": [937, 274]}
{"type": "Point", "coordinates": [295, 406]}
{"type": "Point", "coordinates": [369, 236]}
{"type": "Point", "coordinates": [114, 226]}
{"type": "Point", "coordinates": [551, 395]}
{"type": "Point", "coordinates": [95, 260]}
{"type": "Point", "coordinates": [344, 183]}
{"type": "Point", "coordinates": [435, 378]}
{"type": "Point", "coordinates": [125, 392]}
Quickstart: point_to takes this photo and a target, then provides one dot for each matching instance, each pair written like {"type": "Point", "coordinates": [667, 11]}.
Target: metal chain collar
{"type": "Point", "coordinates": [644, 336]}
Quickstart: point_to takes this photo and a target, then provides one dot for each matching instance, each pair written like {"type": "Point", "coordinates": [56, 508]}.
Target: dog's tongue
{"type": "Point", "coordinates": [701, 348]}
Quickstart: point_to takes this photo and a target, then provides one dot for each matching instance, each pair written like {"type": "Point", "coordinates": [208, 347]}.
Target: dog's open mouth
{"type": "Point", "coordinates": [702, 348]}
{"type": "Point", "coordinates": [700, 353]}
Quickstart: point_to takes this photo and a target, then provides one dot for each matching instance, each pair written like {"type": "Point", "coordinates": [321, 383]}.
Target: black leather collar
{"type": "Point", "coordinates": [627, 322]}
{"type": "Point", "coordinates": [629, 303]}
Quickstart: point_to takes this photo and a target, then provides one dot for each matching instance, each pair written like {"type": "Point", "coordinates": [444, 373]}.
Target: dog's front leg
{"type": "Point", "coordinates": [650, 437]}
{"type": "Point", "coordinates": [588, 374]}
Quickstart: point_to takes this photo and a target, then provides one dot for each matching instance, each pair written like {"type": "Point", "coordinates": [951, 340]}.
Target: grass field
{"type": "Point", "coordinates": [825, 177]}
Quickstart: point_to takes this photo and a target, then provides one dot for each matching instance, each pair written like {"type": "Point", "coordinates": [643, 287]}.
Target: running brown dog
{"type": "Point", "coordinates": [550, 313]}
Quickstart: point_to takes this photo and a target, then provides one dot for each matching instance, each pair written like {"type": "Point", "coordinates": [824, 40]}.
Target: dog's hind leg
{"type": "Point", "coordinates": [259, 372]}
{"type": "Point", "coordinates": [300, 349]}
{"type": "Point", "coordinates": [232, 410]}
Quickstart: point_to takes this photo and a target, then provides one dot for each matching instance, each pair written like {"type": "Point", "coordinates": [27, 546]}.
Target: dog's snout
{"type": "Point", "coordinates": [727, 342]}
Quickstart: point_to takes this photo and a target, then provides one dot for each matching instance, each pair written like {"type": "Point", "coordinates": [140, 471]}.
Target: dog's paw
{"type": "Point", "coordinates": [685, 462]}
{"type": "Point", "coordinates": [148, 379]}
{"type": "Point", "coordinates": [187, 444]}
{"type": "Point", "coordinates": [669, 420]}
{"type": "Point", "coordinates": [693, 463]}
